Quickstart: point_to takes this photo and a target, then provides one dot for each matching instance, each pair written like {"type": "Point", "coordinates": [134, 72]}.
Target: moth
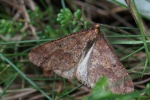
{"type": "Point", "coordinates": [85, 55]}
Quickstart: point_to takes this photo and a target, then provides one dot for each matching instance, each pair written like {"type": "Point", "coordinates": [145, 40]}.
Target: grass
{"type": "Point", "coordinates": [24, 76]}
{"type": "Point", "coordinates": [18, 74]}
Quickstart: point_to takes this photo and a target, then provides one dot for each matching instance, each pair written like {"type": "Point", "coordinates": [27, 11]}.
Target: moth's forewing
{"type": "Point", "coordinates": [104, 62]}
{"type": "Point", "coordinates": [62, 54]}
{"type": "Point", "coordinates": [100, 61]}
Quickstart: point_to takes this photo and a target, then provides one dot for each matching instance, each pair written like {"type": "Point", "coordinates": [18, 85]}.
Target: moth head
{"type": "Point", "coordinates": [96, 28]}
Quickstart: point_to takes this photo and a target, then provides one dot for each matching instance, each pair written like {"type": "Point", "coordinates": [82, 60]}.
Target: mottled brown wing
{"type": "Point", "coordinates": [104, 62]}
{"type": "Point", "coordinates": [62, 54]}
{"type": "Point", "coordinates": [100, 61]}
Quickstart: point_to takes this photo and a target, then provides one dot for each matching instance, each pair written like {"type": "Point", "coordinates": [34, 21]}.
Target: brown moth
{"type": "Point", "coordinates": [85, 55]}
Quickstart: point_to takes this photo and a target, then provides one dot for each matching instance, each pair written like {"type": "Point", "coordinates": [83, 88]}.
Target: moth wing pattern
{"type": "Point", "coordinates": [104, 62]}
{"type": "Point", "coordinates": [68, 74]}
{"type": "Point", "coordinates": [62, 54]}
{"type": "Point", "coordinates": [100, 61]}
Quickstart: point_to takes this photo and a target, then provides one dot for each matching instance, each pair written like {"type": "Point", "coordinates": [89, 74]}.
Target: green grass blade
{"type": "Point", "coordinates": [27, 41]}
{"type": "Point", "coordinates": [65, 94]}
{"type": "Point", "coordinates": [132, 53]}
{"type": "Point", "coordinates": [146, 63]}
{"type": "Point", "coordinates": [63, 4]}
{"type": "Point", "coordinates": [142, 31]}
{"type": "Point", "coordinates": [8, 85]}
{"type": "Point", "coordinates": [24, 76]}
{"type": "Point", "coordinates": [129, 42]}
{"type": "Point", "coordinates": [126, 36]}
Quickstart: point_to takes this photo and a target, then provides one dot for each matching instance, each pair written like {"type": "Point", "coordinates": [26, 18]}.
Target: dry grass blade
{"type": "Point", "coordinates": [19, 93]}
{"type": "Point", "coordinates": [133, 12]}
{"type": "Point", "coordinates": [142, 27]}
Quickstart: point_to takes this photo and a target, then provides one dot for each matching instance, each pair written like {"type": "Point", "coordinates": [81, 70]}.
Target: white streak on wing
{"type": "Point", "coordinates": [82, 70]}
{"type": "Point", "coordinates": [69, 74]}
